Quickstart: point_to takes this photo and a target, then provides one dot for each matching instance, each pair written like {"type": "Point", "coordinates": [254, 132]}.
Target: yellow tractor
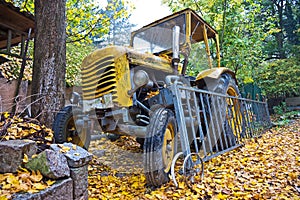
{"type": "Point", "coordinates": [127, 89]}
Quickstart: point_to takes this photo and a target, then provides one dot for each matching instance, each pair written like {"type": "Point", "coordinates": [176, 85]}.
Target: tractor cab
{"type": "Point", "coordinates": [160, 37]}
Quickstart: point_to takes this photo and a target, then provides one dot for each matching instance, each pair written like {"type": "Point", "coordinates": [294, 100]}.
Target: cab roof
{"type": "Point", "coordinates": [194, 25]}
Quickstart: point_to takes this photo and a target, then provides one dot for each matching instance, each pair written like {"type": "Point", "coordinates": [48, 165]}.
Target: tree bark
{"type": "Point", "coordinates": [48, 81]}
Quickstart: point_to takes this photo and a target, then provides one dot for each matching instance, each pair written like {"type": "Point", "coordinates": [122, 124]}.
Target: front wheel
{"type": "Point", "coordinates": [65, 129]}
{"type": "Point", "coordinates": [160, 146]}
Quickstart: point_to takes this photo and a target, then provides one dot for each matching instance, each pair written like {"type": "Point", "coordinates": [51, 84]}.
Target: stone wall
{"type": "Point", "coordinates": [71, 172]}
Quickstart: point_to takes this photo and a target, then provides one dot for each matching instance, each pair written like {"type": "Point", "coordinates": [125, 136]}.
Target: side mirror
{"type": "Point", "coordinates": [175, 48]}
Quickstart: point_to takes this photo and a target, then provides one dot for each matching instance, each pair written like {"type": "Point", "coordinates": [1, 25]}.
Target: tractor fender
{"type": "Point", "coordinates": [215, 73]}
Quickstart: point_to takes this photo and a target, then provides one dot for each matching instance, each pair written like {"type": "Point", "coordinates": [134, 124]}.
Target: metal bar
{"type": "Point", "coordinates": [223, 118]}
{"type": "Point", "coordinates": [181, 120]}
{"type": "Point", "coordinates": [143, 106]}
{"type": "Point", "coordinates": [192, 122]}
{"type": "Point", "coordinates": [212, 124]}
{"type": "Point", "coordinates": [205, 122]}
{"type": "Point", "coordinates": [199, 120]}
{"type": "Point", "coordinates": [247, 120]}
{"type": "Point", "coordinates": [221, 152]}
{"type": "Point", "coordinates": [213, 115]}
{"type": "Point", "coordinates": [216, 112]}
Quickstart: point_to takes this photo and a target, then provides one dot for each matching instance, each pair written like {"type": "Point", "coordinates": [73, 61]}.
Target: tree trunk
{"type": "Point", "coordinates": [48, 81]}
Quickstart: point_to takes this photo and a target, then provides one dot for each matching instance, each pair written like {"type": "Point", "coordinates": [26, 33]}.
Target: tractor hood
{"type": "Point", "coordinates": [106, 74]}
{"type": "Point", "coordinates": [135, 58]}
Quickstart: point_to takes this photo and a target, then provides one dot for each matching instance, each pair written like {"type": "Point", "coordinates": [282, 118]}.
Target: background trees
{"type": "Point", "coordinates": [71, 22]}
{"type": "Point", "coordinates": [259, 39]}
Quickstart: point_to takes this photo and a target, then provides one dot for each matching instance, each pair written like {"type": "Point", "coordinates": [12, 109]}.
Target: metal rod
{"type": "Point", "coordinates": [197, 109]}
{"type": "Point", "coordinates": [143, 106]}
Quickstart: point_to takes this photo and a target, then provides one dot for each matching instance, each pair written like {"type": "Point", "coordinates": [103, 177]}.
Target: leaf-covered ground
{"type": "Point", "coordinates": [24, 180]}
{"type": "Point", "coordinates": [264, 168]}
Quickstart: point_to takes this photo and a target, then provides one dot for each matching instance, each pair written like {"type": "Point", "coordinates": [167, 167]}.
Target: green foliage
{"type": "Point", "coordinates": [280, 77]}
{"type": "Point", "coordinates": [283, 117]}
{"type": "Point", "coordinates": [75, 55]}
{"type": "Point", "coordinates": [85, 20]}
{"type": "Point", "coordinates": [280, 109]}
{"type": "Point", "coordinates": [259, 40]}
{"type": "Point", "coordinates": [240, 39]}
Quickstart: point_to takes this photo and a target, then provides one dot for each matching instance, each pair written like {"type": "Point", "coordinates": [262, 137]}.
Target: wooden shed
{"type": "Point", "coordinates": [14, 28]}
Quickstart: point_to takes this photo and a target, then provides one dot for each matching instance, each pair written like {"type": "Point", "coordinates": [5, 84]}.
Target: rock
{"type": "Point", "coordinates": [51, 164]}
{"type": "Point", "coordinates": [76, 156]}
{"type": "Point", "coordinates": [79, 176]}
{"type": "Point", "coordinates": [85, 196]}
{"type": "Point", "coordinates": [12, 153]}
{"type": "Point", "coordinates": [62, 189]}
{"type": "Point", "coordinates": [99, 153]}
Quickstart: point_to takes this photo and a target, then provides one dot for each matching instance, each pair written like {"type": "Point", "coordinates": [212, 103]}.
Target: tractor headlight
{"type": "Point", "coordinates": [140, 78]}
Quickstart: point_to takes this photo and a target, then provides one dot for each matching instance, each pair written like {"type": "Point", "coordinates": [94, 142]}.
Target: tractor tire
{"type": "Point", "coordinates": [227, 85]}
{"type": "Point", "coordinates": [160, 146]}
{"type": "Point", "coordinates": [65, 129]}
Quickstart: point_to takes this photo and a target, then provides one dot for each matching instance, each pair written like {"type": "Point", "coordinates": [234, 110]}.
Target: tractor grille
{"type": "Point", "coordinates": [99, 79]}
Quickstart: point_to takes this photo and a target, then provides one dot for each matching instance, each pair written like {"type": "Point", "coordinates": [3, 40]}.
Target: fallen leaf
{"type": "Point", "coordinates": [36, 177]}
{"type": "Point", "coordinates": [25, 159]}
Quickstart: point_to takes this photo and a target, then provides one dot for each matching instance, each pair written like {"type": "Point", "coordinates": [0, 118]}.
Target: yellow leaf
{"type": "Point", "coordinates": [49, 138]}
{"type": "Point", "coordinates": [33, 191]}
{"type": "Point", "coordinates": [219, 181]}
{"type": "Point", "coordinates": [39, 186]}
{"type": "Point", "coordinates": [135, 185]}
{"type": "Point", "coordinates": [50, 182]}
{"type": "Point", "coordinates": [13, 180]}
{"type": "Point", "coordinates": [64, 149]}
{"type": "Point", "coordinates": [25, 159]}
{"type": "Point", "coordinates": [76, 154]}
{"type": "Point", "coordinates": [2, 177]}
{"type": "Point", "coordinates": [36, 177]}
{"type": "Point", "coordinates": [222, 196]}
{"type": "Point", "coordinates": [74, 147]}
{"type": "Point", "coordinates": [23, 187]}
{"type": "Point", "coordinates": [34, 156]}
{"type": "Point", "coordinates": [6, 186]}
{"type": "Point", "coordinates": [3, 198]}
{"type": "Point", "coordinates": [6, 115]}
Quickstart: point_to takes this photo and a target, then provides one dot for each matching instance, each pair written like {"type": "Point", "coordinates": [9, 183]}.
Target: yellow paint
{"type": "Point", "coordinates": [214, 73]}
{"type": "Point", "coordinates": [123, 81]}
{"type": "Point", "coordinates": [207, 45]}
{"type": "Point", "coordinates": [106, 71]}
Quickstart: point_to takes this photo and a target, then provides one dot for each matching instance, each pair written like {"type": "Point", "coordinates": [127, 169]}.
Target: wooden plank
{"type": "Point", "coordinates": [294, 101]}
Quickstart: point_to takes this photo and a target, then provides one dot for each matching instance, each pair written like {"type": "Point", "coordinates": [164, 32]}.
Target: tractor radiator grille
{"type": "Point", "coordinates": [99, 79]}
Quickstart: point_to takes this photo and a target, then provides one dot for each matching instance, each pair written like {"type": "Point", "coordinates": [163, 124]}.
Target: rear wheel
{"type": "Point", "coordinates": [160, 146]}
{"type": "Point", "coordinates": [233, 121]}
{"type": "Point", "coordinates": [65, 129]}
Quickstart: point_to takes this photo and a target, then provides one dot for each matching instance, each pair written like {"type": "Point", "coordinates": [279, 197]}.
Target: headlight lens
{"type": "Point", "coordinates": [140, 78]}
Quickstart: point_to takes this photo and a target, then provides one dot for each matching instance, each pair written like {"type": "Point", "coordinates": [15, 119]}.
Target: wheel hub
{"type": "Point", "coordinates": [168, 148]}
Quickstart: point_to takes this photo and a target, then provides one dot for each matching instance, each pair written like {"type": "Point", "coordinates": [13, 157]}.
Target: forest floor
{"type": "Point", "coordinates": [267, 167]}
